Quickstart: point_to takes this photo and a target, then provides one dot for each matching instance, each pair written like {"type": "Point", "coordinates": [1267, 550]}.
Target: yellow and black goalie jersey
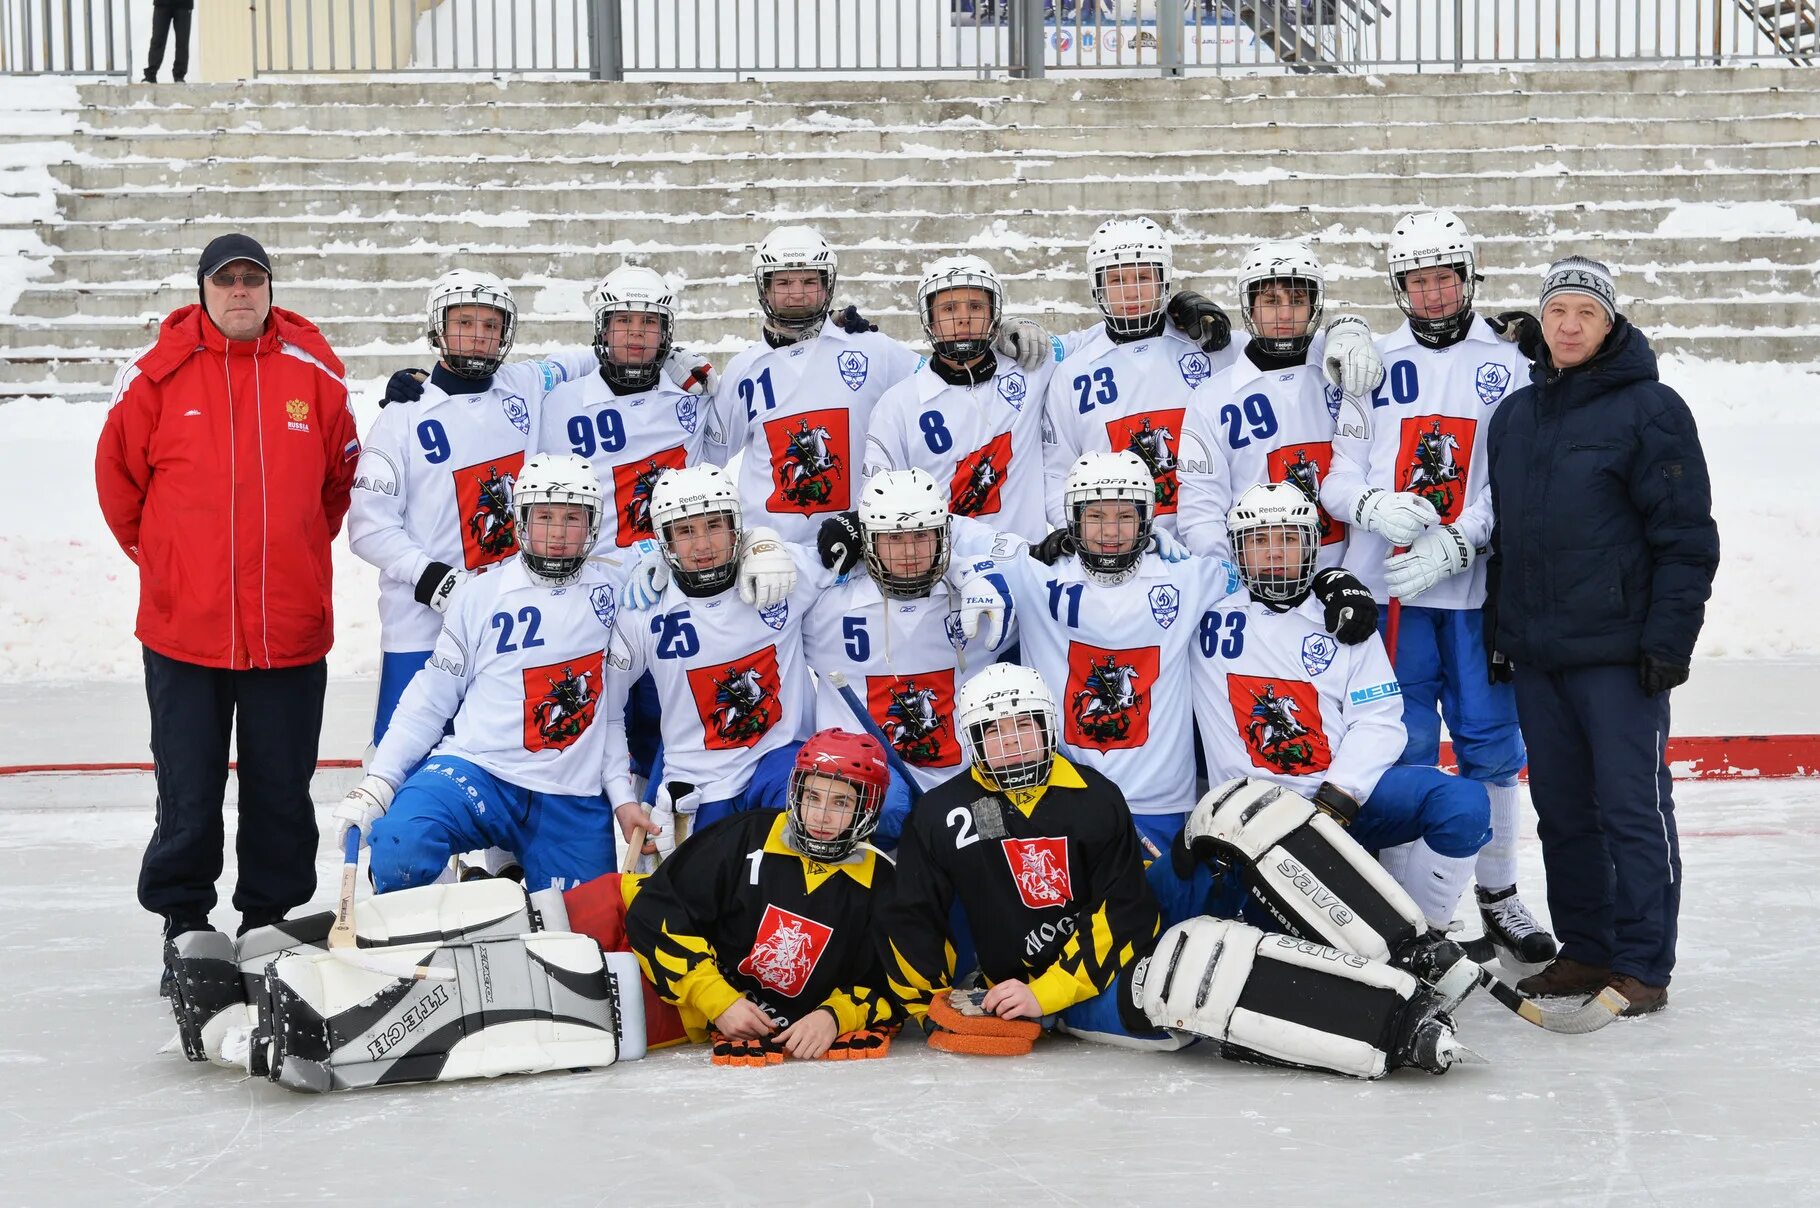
{"type": "Point", "coordinates": [1051, 879]}
{"type": "Point", "coordinates": [737, 911]}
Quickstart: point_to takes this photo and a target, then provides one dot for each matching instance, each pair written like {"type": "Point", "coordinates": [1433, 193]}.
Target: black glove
{"type": "Point", "coordinates": [1201, 320]}
{"type": "Point", "coordinates": [1335, 803]}
{"type": "Point", "coordinates": [854, 323]}
{"type": "Point", "coordinates": [405, 386]}
{"type": "Point", "coordinates": [840, 542]}
{"type": "Point", "coordinates": [1352, 615]}
{"type": "Point", "coordinates": [1498, 669]}
{"type": "Point", "coordinates": [1185, 859]}
{"type": "Point", "coordinates": [437, 583]}
{"type": "Point", "coordinates": [1054, 546]}
{"type": "Point", "coordinates": [1520, 328]}
{"type": "Point", "coordinates": [1659, 675]}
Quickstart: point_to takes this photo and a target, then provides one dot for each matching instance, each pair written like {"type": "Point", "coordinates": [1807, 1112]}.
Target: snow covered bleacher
{"type": "Point", "coordinates": [1700, 186]}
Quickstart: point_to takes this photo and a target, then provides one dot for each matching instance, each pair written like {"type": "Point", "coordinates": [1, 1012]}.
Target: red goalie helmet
{"type": "Point", "coordinates": [837, 791]}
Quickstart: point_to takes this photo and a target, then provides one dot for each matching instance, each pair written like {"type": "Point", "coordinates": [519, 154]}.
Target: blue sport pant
{"type": "Point", "coordinates": [450, 805]}
{"type": "Point", "coordinates": [1441, 665]}
{"type": "Point", "coordinates": [1412, 801]}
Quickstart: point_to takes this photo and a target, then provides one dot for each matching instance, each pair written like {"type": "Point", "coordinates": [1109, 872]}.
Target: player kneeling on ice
{"type": "Point", "coordinates": [758, 932]}
{"type": "Point", "coordinates": [519, 668]}
{"type": "Point", "coordinates": [716, 617]}
{"type": "Point", "coordinates": [1044, 862]}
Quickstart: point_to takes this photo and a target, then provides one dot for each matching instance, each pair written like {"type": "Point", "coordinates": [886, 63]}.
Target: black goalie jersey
{"type": "Point", "coordinates": [1052, 881]}
{"type": "Point", "coordinates": [737, 911]}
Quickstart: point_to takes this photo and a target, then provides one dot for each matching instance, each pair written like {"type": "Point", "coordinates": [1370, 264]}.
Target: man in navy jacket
{"type": "Point", "coordinates": [1603, 555]}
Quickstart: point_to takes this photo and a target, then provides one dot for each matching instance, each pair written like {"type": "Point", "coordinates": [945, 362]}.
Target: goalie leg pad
{"type": "Point", "coordinates": [1282, 1001]}
{"type": "Point", "coordinates": [1305, 869]}
{"type": "Point", "coordinates": [536, 1002]}
{"type": "Point", "coordinates": [206, 996]}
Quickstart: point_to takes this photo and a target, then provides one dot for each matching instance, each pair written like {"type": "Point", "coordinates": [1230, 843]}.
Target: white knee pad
{"type": "Point", "coordinates": [1278, 1000]}
{"type": "Point", "coordinates": [1304, 868]}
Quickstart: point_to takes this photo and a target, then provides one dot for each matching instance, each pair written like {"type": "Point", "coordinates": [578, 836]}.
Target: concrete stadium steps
{"type": "Point", "coordinates": [365, 190]}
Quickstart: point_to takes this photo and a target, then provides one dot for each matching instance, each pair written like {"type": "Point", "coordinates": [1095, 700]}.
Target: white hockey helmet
{"type": "Point", "coordinates": [1431, 239]}
{"type": "Point", "coordinates": [561, 478]}
{"type": "Point", "coordinates": [696, 491]}
{"type": "Point", "coordinates": [793, 248]}
{"type": "Point", "coordinates": [632, 288]}
{"type": "Point", "coordinates": [904, 501]}
{"type": "Point", "coordinates": [1260, 525]}
{"type": "Point", "coordinates": [1119, 477]}
{"type": "Point", "coordinates": [959, 272]}
{"type": "Point", "coordinates": [470, 287]}
{"type": "Point", "coordinates": [1000, 693]}
{"type": "Point", "coordinates": [1129, 241]}
{"type": "Point", "coordinates": [1296, 266]}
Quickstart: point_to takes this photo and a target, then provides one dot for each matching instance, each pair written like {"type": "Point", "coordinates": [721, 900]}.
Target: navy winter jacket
{"type": "Point", "coordinates": [1604, 546]}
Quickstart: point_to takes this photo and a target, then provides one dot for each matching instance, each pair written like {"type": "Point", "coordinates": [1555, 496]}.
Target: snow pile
{"type": "Point", "coordinates": [35, 106]}
{"type": "Point", "coordinates": [1734, 220]}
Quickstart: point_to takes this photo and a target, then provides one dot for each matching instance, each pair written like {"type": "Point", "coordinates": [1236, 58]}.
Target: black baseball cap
{"type": "Point", "coordinates": [223, 250]}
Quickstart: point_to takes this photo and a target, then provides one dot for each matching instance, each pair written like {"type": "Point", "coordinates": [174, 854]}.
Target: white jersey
{"type": "Point", "coordinates": [731, 678]}
{"type": "Point", "coordinates": [1428, 426]}
{"type": "Point", "coordinates": [520, 667]}
{"type": "Point", "coordinates": [1108, 397]}
{"type": "Point", "coordinates": [1279, 698]}
{"type": "Point", "coordinates": [983, 442]}
{"type": "Point", "coordinates": [434, 484]}
{"type": "Point", "coordinates": [629, 439]}
{"type": "Point", "coordinates": [800, 415]}
{"type": "Point", "coordinates": [1116, 658]}
{"type": "Point", "coordinates": [1266, 425]}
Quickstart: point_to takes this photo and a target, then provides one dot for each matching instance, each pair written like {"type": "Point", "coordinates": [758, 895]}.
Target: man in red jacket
{"type": "Point", "coordinates": [224, 470]}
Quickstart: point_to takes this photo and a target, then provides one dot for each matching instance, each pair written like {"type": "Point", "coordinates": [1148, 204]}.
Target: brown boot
{"type": "Point", "coordinates": [1644, 999]}
{"type": "Point", "coordinates": [1565, 977]}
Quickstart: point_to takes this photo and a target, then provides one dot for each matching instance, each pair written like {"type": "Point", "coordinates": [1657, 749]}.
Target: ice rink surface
{"type": "Point", "coordinates": [1712, 1102]}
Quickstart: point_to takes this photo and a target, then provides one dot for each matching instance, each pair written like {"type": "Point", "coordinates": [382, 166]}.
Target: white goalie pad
{"type": "Point", "coordinates": [525, 1004]}
{"type": "Point", "coordinates": [218, 979]}
{"type": "Point", "coordinates": [1275, 999]}
{"type": "Point", "coordinates": [1305, 869]}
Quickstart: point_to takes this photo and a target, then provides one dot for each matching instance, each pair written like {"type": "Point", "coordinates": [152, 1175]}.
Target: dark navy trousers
{"type": "Point", "coordinates": [1605, 814]}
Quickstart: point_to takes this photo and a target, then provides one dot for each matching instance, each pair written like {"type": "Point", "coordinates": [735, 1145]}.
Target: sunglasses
{"type": "Point", "coordinates": [252, 279]}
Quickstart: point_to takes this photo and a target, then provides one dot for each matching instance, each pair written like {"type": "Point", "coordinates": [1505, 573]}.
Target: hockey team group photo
{"type": "Point", "coordinates": [1174, 650]}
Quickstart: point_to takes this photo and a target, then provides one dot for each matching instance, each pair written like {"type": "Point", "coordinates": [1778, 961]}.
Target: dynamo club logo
{"type": "Point", "coordinates": [1317, 652]}
{"type": "Point", "coordinates": [1335, 399]}
{"type": "Point", "coordinates": [517, 412]}
{"type": "Point", "coordinates": [1196, 368]}
{"type": "Point", "coordinates": [1012, 389]}
{"type": "Point", "coordinates": [1165, 603]}
{"type": "Point", "coordinates": [775, 615]}
{"type": "Point", "coordinates": [1490, 381]}
{"type": "Point", "coordinates": [852, 365]}
{"type": "Point", "coordinates": [602, 598]}
{"type": "Point", "coordinates": [686, 414]}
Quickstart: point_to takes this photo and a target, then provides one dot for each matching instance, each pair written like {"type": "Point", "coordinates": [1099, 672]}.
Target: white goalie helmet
{"type": "Point", "coordinates": [1098, 477]}
{"type": "Point", "coordinates": [959, 272]}
{"type": "Point", "coordinates": [1432, 239]}
{"type": "Point", "coordinates": [696, 491]}
{"type": "Point", "coordinates": [561, 478]}
{"type": "Point", "coordinates": [1276, 536]}
{"type": "Point", "coordinates": [470, 287]}
{"type": "Point", "coordinates": [793, 248]}
{"type": "Point", "coordinates": [1129, 241]}
{"type": "Point", "coordinates": [904, 501]}
{"type": "Point", "coordinates": [1296, 266]}
{"type": "Point", "coordinates": [631, 287]}
{"type": "Point", "coordinates": [1001, 693]}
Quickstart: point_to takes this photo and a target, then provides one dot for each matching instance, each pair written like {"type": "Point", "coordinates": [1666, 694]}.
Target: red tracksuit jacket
{"type": "Point", "coordinates": [224, 470]}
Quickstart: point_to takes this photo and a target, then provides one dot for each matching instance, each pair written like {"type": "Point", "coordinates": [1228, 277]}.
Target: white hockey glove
{"type": "Point", "coordinates": [1431, 557]}
{"type": "Point", "coordinates": [767, 572]}
{"type": "Point", "coordinates": [437, 583]}
{"type": "Point", "coordinates": [1351, 359]}
{"type": "Point", "coordinates": [645, 585]}
{"type": "Point", "coordinates": [692, 371]}
{"type": "Point", "coordinates": [1168, 548]}
{"type": "Point", "coordinates": [1025, 342]}
{"type": "Point", "coordinates": [1397, 516]}
{"type": "Point", "coordinates": [984, 612]}
{"type": "Point", "coordinates": [364, 805]}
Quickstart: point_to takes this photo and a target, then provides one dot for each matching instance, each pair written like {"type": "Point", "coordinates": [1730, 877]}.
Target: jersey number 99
{"type": "Point", "coordinates": [605, 432]}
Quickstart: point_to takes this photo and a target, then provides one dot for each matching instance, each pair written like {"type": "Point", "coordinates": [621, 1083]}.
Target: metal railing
{"type": "Point", "coordinates": [715, 39]}
{"type": "Point", "coordinates": [66, 37]}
